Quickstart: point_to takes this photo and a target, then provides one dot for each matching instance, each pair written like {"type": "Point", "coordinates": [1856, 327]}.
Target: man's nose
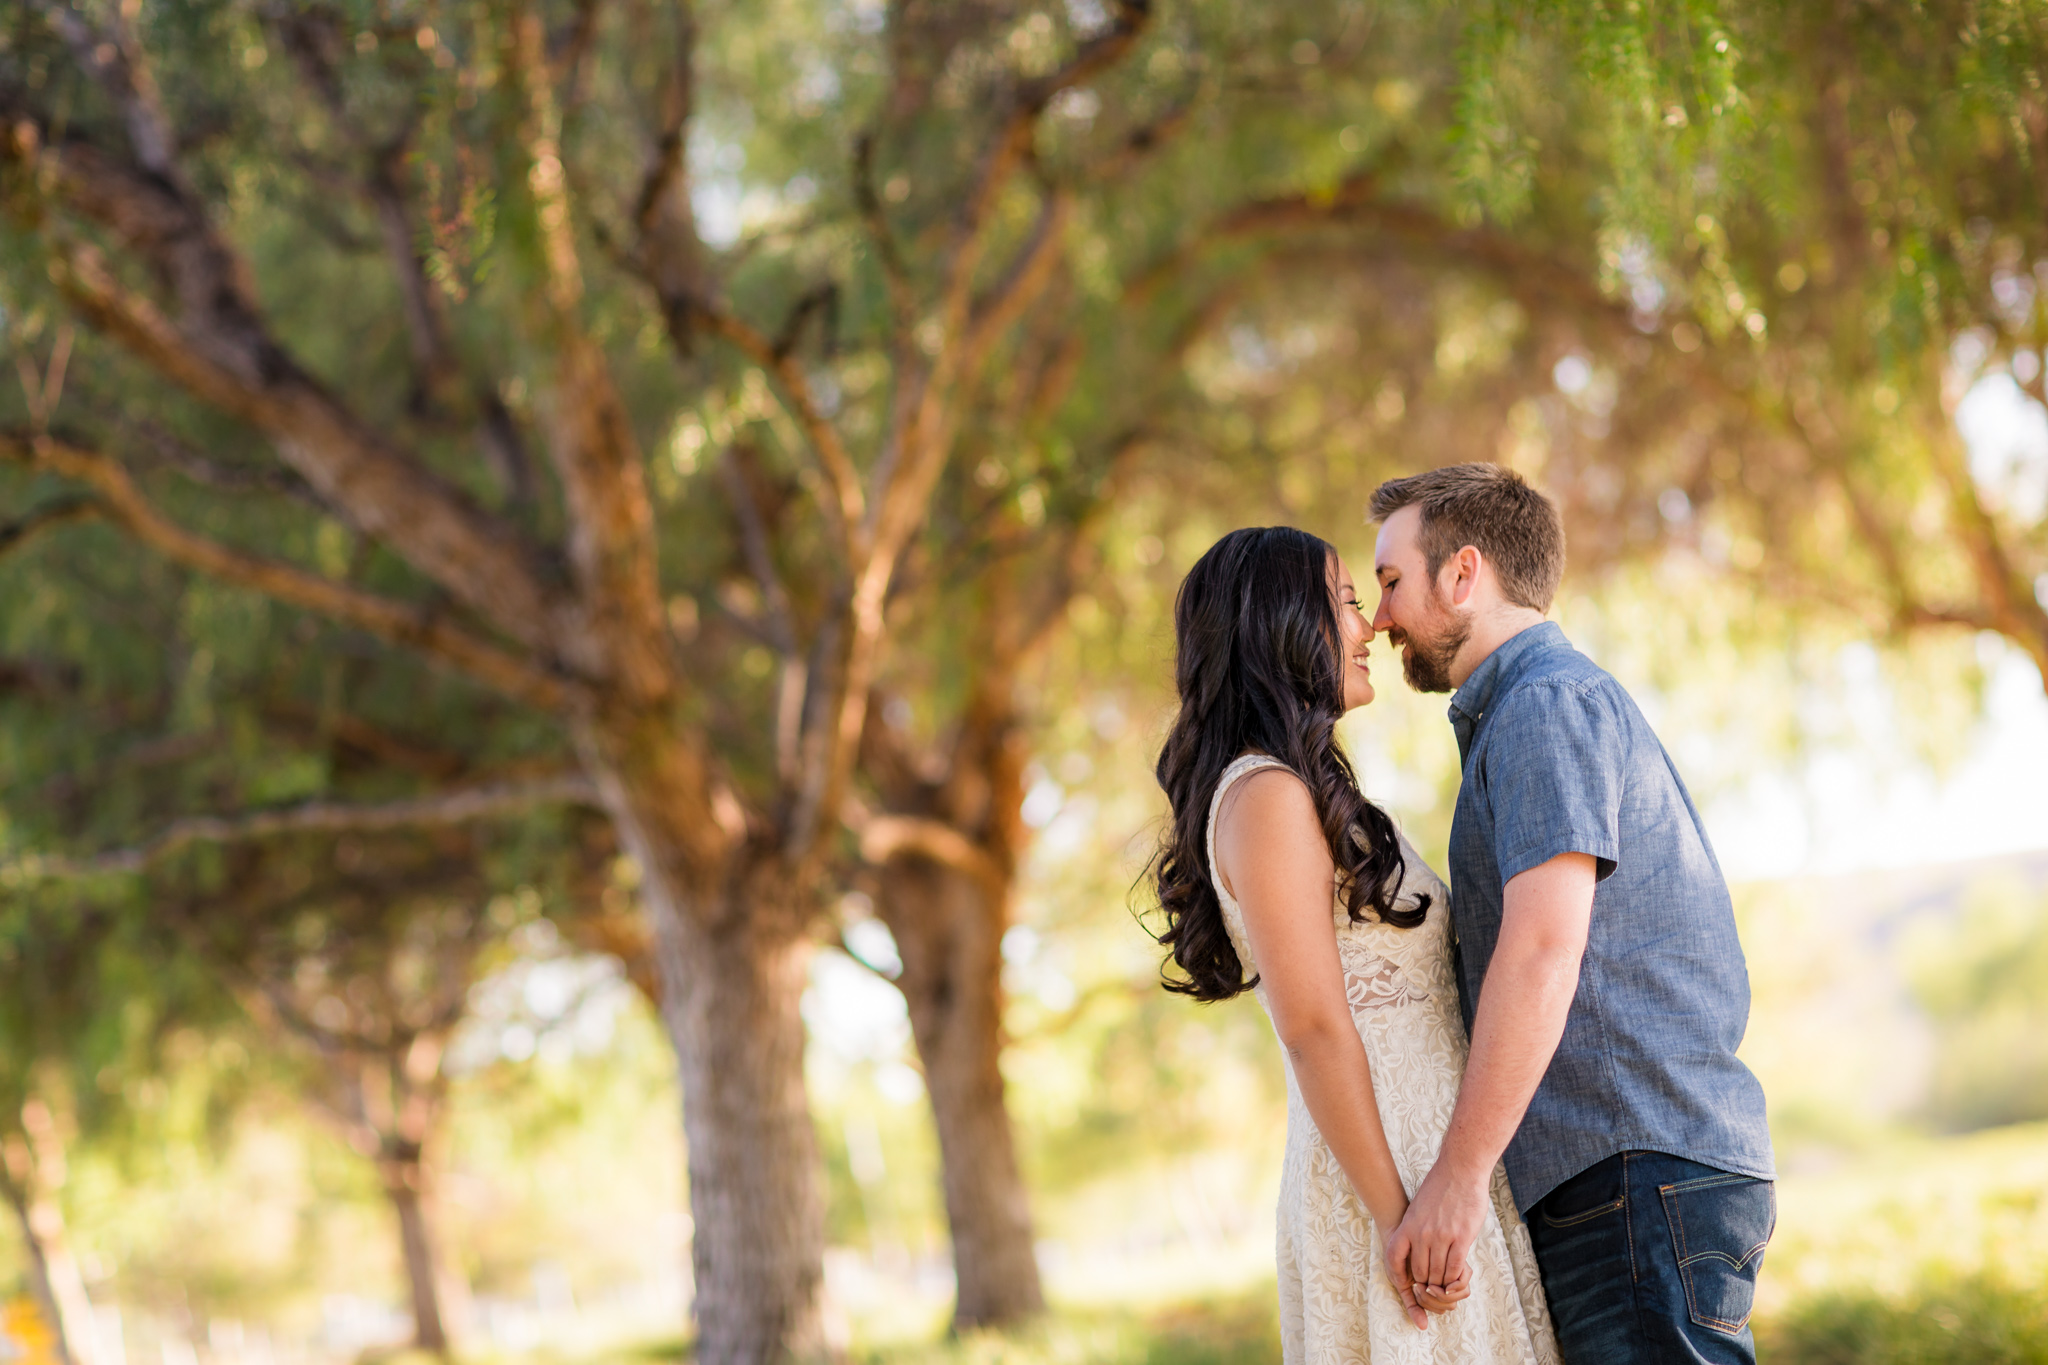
{"type": "Point", "coordinates": [1382, 619]}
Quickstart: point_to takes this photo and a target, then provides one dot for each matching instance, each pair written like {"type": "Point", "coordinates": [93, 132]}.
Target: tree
{"type": "Point", "coordinates": [364, 952]}
{"type": "Point", "coordinates": [558, 603]}
{"type": "Point", "coordinates": [82, 999]}
{"type": "Point", "coordinates": [1815, 233]}
{"type": "Point", "coordinates": [314, 376]}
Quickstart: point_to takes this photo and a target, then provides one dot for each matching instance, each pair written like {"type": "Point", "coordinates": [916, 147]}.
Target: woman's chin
{"type": "Point", "coordinates": [1357, 695]}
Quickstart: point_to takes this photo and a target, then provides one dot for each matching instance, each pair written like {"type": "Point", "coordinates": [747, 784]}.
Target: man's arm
{"type": "Point", "coordinates": [1529, 987]}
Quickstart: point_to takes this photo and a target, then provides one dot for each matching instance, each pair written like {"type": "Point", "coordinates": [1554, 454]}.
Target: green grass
{"type": "Point", "coordinates": [1976, 1321]}
{"type": "Point", "coordinates": [1238, 1330]}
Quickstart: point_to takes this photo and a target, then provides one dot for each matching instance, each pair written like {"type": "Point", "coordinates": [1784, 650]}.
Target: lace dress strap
{"type": "Point", "coordinates": [1240, 766]}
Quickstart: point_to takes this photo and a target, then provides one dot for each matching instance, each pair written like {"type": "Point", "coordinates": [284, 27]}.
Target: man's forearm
{"type": "Point", "coordinates": [1528, 992]}
{"type": "Point", "coordinates": [1521, 1017]}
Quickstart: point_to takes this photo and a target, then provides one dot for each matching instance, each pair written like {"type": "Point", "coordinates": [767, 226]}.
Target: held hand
{"type": "Point", "coordinates": [1397, 1271]}
{"type": "Point", "coordinates": [1437, 1234]}
{"type": "Point", "coordinates": [1445, 1299]}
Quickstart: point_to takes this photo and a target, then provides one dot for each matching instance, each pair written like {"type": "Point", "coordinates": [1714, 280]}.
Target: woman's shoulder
{"type": "Point", "coordinates": [1263, 787]}
{"type": "Point", "coordinates": [1263, 812]}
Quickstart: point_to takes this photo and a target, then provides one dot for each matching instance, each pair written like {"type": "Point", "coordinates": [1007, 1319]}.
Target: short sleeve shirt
{"type": "Point", "coordinates": [1558, 759]}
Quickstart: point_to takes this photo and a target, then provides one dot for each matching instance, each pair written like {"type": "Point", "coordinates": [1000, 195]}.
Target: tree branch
{"type": "Point", "coordinates": [62, 511]}
{"type": "Point", "coordinates": [116, 64]}
{"type": "Point", "coordinates": [780, 620]}
{"type": "Point", "coordinates": [1026, 278]}
{"type": "Point", "coordinates": [456, 806]}
{"type": "Point", "coordinates": [883, 837]}
{"type": "Point", "coordinates": [662, 212]}
{"type": "Point", "coordinates": [1143, 143]}
{"type": "Point", "coordinates": [571, 62]}
{"type": "Point", "coordinates": [309, 35]}
{"type": "Point", "coordinates": [911, 464]}
{"type": "Point", "coordinates": [219, 349]}
{"type": "Point", "coordinates": [398, 622]}
{"type": "Point", "coordinates": [671, 260]}
{"type": "Point", "coordinates": [590, 437]}
{"type": "Point", "coordinates": [895, 275]}
{"type": "Point", "coordinates": [929, 409]}
{"type": "Point", "coordinates": [847, 505]}
{"type": "Point", "coordinates": [153, 440]}
{"type": "Point", "coordinates": [2019, 615]}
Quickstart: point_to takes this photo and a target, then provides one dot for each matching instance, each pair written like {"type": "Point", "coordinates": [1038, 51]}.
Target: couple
{"type": "Point", "coordinates": [1586, 948]}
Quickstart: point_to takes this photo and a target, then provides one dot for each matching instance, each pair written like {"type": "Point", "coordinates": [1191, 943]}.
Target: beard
{"type": "Point", "coordinates": [1426, 654]}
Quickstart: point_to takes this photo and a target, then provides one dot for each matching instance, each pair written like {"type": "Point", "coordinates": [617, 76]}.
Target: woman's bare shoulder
{"type": "Point", "coordinates": [1267, 814]}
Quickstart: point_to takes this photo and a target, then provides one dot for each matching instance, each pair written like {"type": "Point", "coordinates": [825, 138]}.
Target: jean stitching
{"type": "Point", "coordinates": [1628, 1220]}
{"type": "Point", "coordinates": [1685, 1264]}
{"type": "Point", "coordinates": [1588, 1216]}
{"type": "Point", "coordinates": [1724, 1256]}
{"type": "Point", "coordinates": [1635, 1278]}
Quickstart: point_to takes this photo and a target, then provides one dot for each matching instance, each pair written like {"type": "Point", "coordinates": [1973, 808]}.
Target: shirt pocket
{"type": "Point", "coordinates": [1720, 1225]}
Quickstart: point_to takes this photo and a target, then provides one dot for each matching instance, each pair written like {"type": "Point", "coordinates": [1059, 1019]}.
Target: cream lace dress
{"type": "Point", "coordinates": [1336, 1304]}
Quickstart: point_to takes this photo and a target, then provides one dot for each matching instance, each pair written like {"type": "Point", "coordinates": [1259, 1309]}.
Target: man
{"type": "Point", "coordinates": [1602, 982]}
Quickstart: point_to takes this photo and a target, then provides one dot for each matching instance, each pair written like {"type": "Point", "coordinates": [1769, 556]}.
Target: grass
{"type": "Point", "coordinates": [1977, 1321]}
{"type": "Point", "coordinates": [1234, 1330]}
{"type": "Point", "coordinates": [1914, 1251]}
{"type": "Point", "coordinates": [1898, 1217]}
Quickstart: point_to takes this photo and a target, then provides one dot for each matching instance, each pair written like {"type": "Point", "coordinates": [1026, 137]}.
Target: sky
{"type": "Point", "coordinates": [1850, 812]}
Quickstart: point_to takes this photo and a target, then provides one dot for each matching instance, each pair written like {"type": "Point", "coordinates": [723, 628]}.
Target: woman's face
{"type": "Point", "coordinates": [1354, 633]}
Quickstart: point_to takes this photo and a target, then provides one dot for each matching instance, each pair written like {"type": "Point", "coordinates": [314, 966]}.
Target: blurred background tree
{"type": "Point", "coordinates": [363, 953]}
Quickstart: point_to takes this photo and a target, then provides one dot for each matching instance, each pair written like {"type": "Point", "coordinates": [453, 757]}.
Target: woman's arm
{"type": "Point", "coordinates": [1271, 856]}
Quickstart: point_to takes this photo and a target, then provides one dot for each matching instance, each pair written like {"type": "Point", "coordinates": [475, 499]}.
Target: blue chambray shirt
{"type": "Point", "coordinates": [1557, 759]}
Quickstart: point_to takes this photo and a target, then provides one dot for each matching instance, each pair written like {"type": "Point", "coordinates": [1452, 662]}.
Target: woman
{"type": "Point", "coordinates": [1267, 820]}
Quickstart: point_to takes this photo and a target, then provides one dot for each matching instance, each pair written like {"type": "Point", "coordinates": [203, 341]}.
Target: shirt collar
{"type": "Point", "coordinates": [1496, 673]}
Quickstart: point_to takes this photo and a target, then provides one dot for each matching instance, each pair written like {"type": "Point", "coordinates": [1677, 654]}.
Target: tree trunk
{"type": "Point", "coordinates": [39, 1271]}
{"type": "Point", "coordinates": [732, 940]}
{"type": "Point", "coordinates": [34, 1163]}
{"type": "Point", "coordinates": [732, 991]}
{"type": "Point", "coordinates": [948, 925]}
{"type": "Point", "coordinates": [404, 1179]}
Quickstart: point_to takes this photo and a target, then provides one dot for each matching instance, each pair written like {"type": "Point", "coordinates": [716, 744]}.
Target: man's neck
{"type": "Point", "coordinates": [1490, 632]}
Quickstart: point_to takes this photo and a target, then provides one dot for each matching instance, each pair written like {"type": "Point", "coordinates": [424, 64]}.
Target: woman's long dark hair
{"type": "Point", "coordinates": [1260, 667]}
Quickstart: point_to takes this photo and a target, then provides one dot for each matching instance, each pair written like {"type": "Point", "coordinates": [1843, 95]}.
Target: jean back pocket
{"type": "Point", "coordinates": [1720, 1225]}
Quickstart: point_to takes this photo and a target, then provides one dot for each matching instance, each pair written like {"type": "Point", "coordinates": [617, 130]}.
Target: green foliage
{"type": "Point", "coordinates": [1228, 1331]}
{"type": "Point", "coordinates": [1984, 1320]}
{"type": "Point", "coordinates": [1982, 978]}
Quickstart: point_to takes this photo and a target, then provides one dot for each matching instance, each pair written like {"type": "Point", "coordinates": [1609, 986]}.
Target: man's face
{"type": "Point", "coordinates": [1413, 612]}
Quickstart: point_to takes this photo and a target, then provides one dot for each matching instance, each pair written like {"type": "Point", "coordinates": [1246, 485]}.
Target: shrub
{"type": "Point", "coordinates": [1976, 1321]}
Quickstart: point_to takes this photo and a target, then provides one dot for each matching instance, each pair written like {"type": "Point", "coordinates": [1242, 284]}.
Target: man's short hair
{"type": "Point", "coordinates": [1493, 510]}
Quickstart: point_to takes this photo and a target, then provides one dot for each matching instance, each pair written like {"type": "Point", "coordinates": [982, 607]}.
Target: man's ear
{"type": "Point", "coordinates": [1464, 567]}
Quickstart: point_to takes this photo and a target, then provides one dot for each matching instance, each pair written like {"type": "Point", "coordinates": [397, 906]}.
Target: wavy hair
{"type": "Point", "coordinates": [1259, 667]}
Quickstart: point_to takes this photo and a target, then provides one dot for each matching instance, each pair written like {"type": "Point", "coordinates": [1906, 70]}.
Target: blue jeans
{"type": "Point", "coordinates": [1651, 1259]}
